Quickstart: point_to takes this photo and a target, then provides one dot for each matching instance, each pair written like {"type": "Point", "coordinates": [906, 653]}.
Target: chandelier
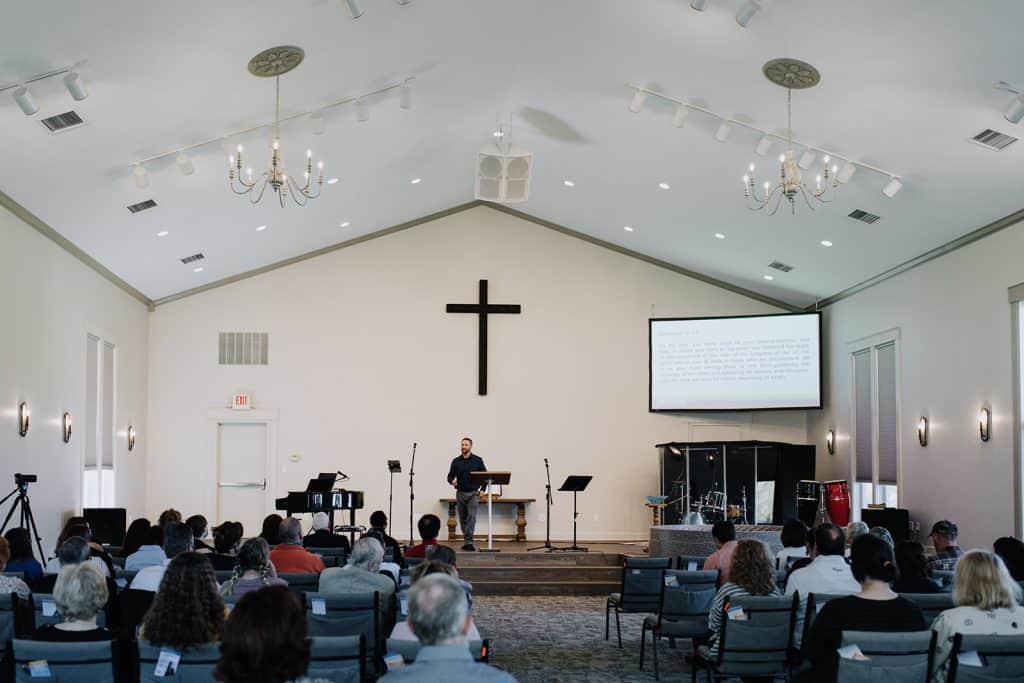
{"type": "Point", "coordinates": [790, 74]}
{"type": "Point", "coordinates": [274, 63]}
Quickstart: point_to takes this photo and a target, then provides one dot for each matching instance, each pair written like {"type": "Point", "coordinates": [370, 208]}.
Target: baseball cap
{"type": "Point", "coordinates": [944, 527]}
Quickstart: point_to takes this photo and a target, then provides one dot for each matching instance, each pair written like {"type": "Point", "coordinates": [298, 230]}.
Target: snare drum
{"type": "Point", "coordinates": [837, 496]}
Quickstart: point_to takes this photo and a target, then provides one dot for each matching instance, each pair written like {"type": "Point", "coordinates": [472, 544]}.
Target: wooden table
{"type": "Point", "coordinates": [520, 503]}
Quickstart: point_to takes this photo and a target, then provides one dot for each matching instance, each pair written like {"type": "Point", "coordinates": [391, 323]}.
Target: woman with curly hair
{"type": "Point", "coordinates": [253, 572]}
{"type": "Point", "coordinates": [187, 610]}
{"type": "Point", "coordinates": [751, 574]}
{"type": "Point", "coordinates": [264, 639]}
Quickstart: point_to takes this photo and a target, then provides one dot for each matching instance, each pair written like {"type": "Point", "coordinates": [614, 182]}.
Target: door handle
{"type": "Point", "coordinates": [243, 484]}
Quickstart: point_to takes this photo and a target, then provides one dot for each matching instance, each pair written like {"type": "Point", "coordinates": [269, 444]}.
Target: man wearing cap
{"type": "Point", "coordinates": [947, 552]}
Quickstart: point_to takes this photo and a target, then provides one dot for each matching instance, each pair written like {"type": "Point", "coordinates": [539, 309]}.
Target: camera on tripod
{"type": "Point", "coordinates": [21, 479]}
{"type": "Point", "coordinates": [22, 505]}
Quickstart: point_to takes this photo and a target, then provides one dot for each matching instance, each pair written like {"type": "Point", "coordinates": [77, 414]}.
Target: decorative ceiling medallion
{"type": "Point", "coordinates": [276, 61]}
{"type": "Point", "coordinates": [791, 73]}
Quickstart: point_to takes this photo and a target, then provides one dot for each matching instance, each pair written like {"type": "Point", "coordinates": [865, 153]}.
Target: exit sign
{"type": "Point", "coordinates": [241, 402]}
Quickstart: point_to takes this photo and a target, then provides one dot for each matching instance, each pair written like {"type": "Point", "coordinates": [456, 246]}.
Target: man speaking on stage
{"type": "Point", "coordinates": [467, 496]}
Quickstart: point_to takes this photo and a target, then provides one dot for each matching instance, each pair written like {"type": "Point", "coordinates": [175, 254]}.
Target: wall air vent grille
{"type": "Point", "coordinates": [193, 257]}
{"type": "Point", "coordinates": [142, 206]}
{"type": "Point", "coordinates": [993, 139]}
{"type": "Point", "coordinates": [863, 216]}
{"type": "Point", "coordinates": [243, 348]}
{"type": "Point", "coordinates": [60, 122]}
{"type": "Point", "coordinates": [779, 265]}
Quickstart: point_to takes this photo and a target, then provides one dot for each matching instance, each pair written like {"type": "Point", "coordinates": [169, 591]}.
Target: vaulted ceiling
{"type": "Point", "coordinates": [904, 87]}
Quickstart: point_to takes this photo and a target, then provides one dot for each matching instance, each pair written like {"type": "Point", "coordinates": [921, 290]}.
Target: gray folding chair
{"type": "Point", "coordinates": [480, 649]}
{"type": "Point", "coordinates": [760, 644]}
{"type": "Point", "coordinates": [68, 662]}
{"type": "Point", "coordinates": [339, 659]}
{"type": "Point", "coordinates": [124, 577]}
{"type": "Point", "coordinates": [44, 612]}
{"type": "Point", "coordinates": [640, 589]}
{"type": "Point", "coordinates": [689, 563]}
{"type": "Point", "coordinates": [781, 575]}
{"type": "Point", "coordinates": [686, 600]}
{"type": "Point", "coordinates": [195, 666]}
{"type": "Point", "coordinates": [896, 657]}
{"type": "Point", "coordinates": [223, 575]}
{"type": "Point", "coordinates": [945, 577]}
{"type": "Point", "coordinates": [301, 583]}
{"type": "Point", "coordinates": [931, 604]}
{"type": "Point", "coordinates": [805, 617]}
{"type": "Point", "coordinates": [1002, 659]}
{"type": "Point", "coordinates": [356, 614]}
{"type": "Point", "coordinates": [8, 619]}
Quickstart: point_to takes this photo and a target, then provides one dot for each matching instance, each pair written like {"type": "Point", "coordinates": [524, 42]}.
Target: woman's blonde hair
{"type": "Point", "coordinates": [983, 581]}
{"type": "Point", "coordinates": [80, 591]}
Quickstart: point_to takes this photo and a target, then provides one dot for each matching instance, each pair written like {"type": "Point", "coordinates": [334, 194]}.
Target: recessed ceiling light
{"type": "Point", "coordinates": [162, 233]}
{"type": "Point", "coordinates": [568, 183]}
{"type": "Point", "coordinates": [665, 186]}
{"type": "Point", "coordinates": [344, 224]}
{"type": "Point", "coordinates": [719, 235]}
{"type": "Point", "coordinates": [416, 181]}
{"type": "Point", "coordinates": [197, 269]}
{"type": "Point", "coordinates": [261, 228]}
{"type": "Point", "coordinates": [768, 277]}
{"type": "Point", "coordinates": [331, 181]}
{"type": "Point", "coordinates": [826, 243]}
{"type": "Point", "coordinates": [627, 228]}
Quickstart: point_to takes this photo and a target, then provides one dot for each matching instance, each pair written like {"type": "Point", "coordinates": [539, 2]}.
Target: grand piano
{"type": "Point", "coordinates": [321, 496]}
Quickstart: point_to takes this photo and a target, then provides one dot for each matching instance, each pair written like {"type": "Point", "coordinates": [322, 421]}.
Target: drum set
{"type": "Point", "coordinates": [712, 507]}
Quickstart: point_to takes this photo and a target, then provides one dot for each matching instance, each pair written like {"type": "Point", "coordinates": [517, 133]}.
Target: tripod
{"type": "Point", "coordinates": [28, 520]}
{"type": "Point", "coordinates": [547, 538]}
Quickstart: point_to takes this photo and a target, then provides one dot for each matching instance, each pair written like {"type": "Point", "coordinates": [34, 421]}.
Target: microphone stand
{"type": "Point", "coordinates": [412, 496]}
{"type": "Point", "coordinates": [547, 538]}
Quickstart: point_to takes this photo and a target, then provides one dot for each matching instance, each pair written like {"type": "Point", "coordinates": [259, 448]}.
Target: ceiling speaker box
{"type": "Point", "coordinates": [503, 174]}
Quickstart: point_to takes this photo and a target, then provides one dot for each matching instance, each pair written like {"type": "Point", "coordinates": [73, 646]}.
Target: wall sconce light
{"type": "Point", "coordinates": [830, 441]}
{"type": "Point", "coordinates": [985, 424]}
{"type": "Point", "coordinates": [23, 418]}
{"type": "Point", "coordinates": [922, 431]}
{"type": "Point", "coordinates": [66, 427]}
{"type": "Point", "coordinates": [131, 438]}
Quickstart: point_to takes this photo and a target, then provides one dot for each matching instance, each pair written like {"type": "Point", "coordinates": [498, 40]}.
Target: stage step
{"type": "Point", "coordinates": [541, 573]}
{"type": "Point", "coordinates": [545, 587]}
{"type": "Point", "coordinates": [534, 574]}
{"type": "Point", "coordinates": [538, 559]}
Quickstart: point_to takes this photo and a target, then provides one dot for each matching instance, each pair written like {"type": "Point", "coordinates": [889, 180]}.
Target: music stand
{"type": "Point", "coordinates": [479, 479]}
{"type": "Point", "coordinates": [394, 467]}
{"type": "Point", "coordinates": [575, 483]}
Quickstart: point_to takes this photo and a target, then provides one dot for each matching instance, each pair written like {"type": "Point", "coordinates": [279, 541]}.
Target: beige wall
{"type": "Point", "coordinates": [364, 361]}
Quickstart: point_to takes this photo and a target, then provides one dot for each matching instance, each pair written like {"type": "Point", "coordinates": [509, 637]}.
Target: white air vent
{"type": "Point", "coordinates": [863, 216]}
{"type": "Point", "coordinates": [243, 348]}
{"type": "Point", "coordinates": [993, 139]}
{"type": "Point", "coordinates": [63, 121]}
{"type": "Point", "coordinates": [142, 206]}
{"type": "Point", "coordinates": [779, 265]}
{"type": "Point", "coordinates": [193, 257]}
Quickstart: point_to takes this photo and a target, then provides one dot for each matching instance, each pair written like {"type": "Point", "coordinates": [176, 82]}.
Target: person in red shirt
{"type": "Point", "coordinates": [724, 534]}
{"type": "Point", "coordinates": [290, 557]}
{"type": "Point", "coordinates": [429, 527]}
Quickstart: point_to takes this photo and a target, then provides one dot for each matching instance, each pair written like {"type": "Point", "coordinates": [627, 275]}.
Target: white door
{"type": "Point", "coordinates": [242, 474]}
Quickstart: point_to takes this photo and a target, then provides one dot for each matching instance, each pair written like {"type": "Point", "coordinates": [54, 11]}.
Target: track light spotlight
{"type": "Point", "coordinates": [141, 177]}
{"type": "Point", "coordinates": [639, 97]}
{"type": "Point", "coordinates": [699, 5]}
{"type": "Point", "coordinates": [362, 111]}
{"type": "Point", "coordinates": [405, 93]}
{"type": "Point", "coordinates": [894, 186]}
{"type": "Point", "coordinates": [764, 145]}
{"type": "Point", "coordinates": [679, 119]}
{"type": "Point", "coordinates": [25, 101]}
{"type": "Point", "coordinates": [1015, 112]}
{"type": "Point", "coordinates": [185, 165]}
{"type": "Point", "coordinates": [76, 86]}
{"type": "Point", "coordinates": [846, 172]}
{"type": "Point", "coordinates": [354, 8]}
{"type": "Point", "coordinates": [745, 13]}
{"type": "Point", "coordinates": [404, 2]}
{"type": "Point", "coordinates": [316, 123]}
{"type": "Point", "coordinates": [724, 131]}
{"type": "Point", "coordinates": [806, 159]}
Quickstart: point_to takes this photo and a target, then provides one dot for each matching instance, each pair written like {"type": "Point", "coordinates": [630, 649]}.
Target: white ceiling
{"type": "Point", "coordinates": [903, 87]}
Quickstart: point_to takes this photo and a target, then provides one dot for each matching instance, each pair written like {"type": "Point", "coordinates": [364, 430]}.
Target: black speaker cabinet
{"type": "Point", "coordinates": [108, 524]}
{"type": "Point", "coordinates": [896, 520]}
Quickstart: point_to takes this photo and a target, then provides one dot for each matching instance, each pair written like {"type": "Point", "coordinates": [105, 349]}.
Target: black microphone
{"type": "Point", "coordinates": [545, 462]}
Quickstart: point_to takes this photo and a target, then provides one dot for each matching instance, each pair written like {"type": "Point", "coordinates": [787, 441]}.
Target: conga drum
{"type": "Point", "coordinates": [837, 495]}
{"type": "Point", "coordinates": [807, 501]}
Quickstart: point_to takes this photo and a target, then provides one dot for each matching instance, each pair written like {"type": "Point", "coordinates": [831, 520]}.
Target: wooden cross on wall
{"type": "Point", "coordinates": [483, 309]}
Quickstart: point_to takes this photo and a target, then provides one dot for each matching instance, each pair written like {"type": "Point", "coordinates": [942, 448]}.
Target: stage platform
{"type": "Point", "coordinates": [670, 540]}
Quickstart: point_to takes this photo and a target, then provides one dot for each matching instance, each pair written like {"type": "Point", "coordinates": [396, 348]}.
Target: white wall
{"type": "Point", "coordinates": [50, 302]}
{"type": "Point", "coordinates": [364, 361]}
{"type": "Point", "coordinates": [956, 341]}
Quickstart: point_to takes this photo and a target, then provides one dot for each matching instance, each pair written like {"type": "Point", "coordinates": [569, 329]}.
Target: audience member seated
{"type": "Point", "coordinates": [99, 557]}
{"type": "Point", "coordinates": [187, 610]}
{"type": "Point", "coordinates": [724, 534]}
{"type": "Point", "coordinates": [79, 594]}
{"type": "Point", "coordinates": [402, 630]}
{"type": "Point", "coordinates": [378, 529]}
{"type": "Point", "coordinates": [150, 553]}
{"type": "Point", "coordinates": [794, 542]}
{"type": "Point", "coordinates": [75, 550]}
{"type": "Point", "coordinates": [167, 516]}
{"type": "Point", "coordinates": [134, 537]}
{"type": "Point", "coordinates": [913, 569]}
{"type": "Point", "coordinates": [947, 552]}
{"type": "Point", "coordinates": [439, 617]}
{"type": "Point", "coordinates": [10, 584]}
{"type": "Point", "coordinates": [22, 559]}
{"type": "Point", "coordinates": [828, 572]}
{"type": "Point", "coordinates": [751, 574]}
{"type": "Point", "coordinates": [200, 530]}
{"type": "Point", "coordinates": [1011, 551]}
{"type": "Point", "coordinates": [986, 600]}
{"type": "Point", "coordinates": [801, 562]}
{"type": "Point", "coordinates": [429, 527]}
{"type": "Point", "coordinates": [177, 540]}
{"type": "Point", "coordinates": [882, 533]}
{"type": "Point", "coordinates": [226, 539]}
{"type": "Point", "coordinates": [322, 536]}
{"type": "Point", "coordinates": [254, 570]}
{"type": "Point", "coordinates": [264, 640]}
{"type": "Point", "coordinates": [853, 530]}
{"type": "Point", "coordinates": [289, 557]}
{"type": "Point", "coordinates": [874, 608]}
{"type": "Point", "coordinates": [361, 574]}
{"type": "Point", "coordinates": [272, 529]}
{"type": "Point", "coordinates": [445, 555]}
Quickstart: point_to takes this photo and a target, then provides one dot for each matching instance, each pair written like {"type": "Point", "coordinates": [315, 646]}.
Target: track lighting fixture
{"type": "Point", "coordinates": [764, 145]}
{"type": "Point", "coordinates": [316, 123]}
{"type": "Point", "coordinates": [724, 131]}
{"type": "Point", "coordinates": [76, 86]}
{"type": "Point", "coordinates": [1015, 112]}
{"type": "Point", "coordinates": [846, 172]}
{"type": "Point", "coordinates": [362, 111]}
{"type": "Point", "coordinates": [679, 118]}
{"type": "Point", "coordinates": [405, 93]}
{"type": "Point", "coordinates": [25, 101]}
{"type": "Point", "coordinates": [355, 8]}
{"type": "Point", "coordinates": [23, 97]}
{"type": "Point", "coordinates": [141, 177]}
{"type": "Point", "coordinates": [639, 97]}
{"type": "Point", "coordinates": [745, 13]}
{"type": "Point", "coordinates": [894, 186]}
{"type": "Point", "coordinates": [699, 5]}
{"type": "Point", "coordinates": [807, 159]}
{"type": "Point", "coordinates": [185, 165]}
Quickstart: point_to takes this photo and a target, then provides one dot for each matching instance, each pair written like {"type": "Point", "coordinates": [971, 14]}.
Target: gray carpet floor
{"type": "Point", "coordinates": [561, 639]}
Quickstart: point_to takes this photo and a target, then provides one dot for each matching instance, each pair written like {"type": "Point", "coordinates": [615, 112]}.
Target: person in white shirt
{"type": "Point", "coordinates": [177, 539]}
{"type": "Point", "coordinates": [827, 573]}
{"type": "Point", "coordinates": [150, 553]}
{"type": "Point", "coordinates": [794, 543]}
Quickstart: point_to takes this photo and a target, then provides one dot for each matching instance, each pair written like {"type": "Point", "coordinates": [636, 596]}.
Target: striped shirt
{"type": "Point", "coordinates": [722, 597]}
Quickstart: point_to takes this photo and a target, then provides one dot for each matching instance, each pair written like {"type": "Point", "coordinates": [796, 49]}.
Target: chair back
{"type": "Point", "coordinates": [8, 610]}
{"type": "Point", "coordinates": [759, 644]}
{"type": "Point", "coordinates": [1002, 659]}
{"type": "Point", "coordinates": [301, 583]}
{"type": "Point", "coordinates": [355, 614]}
{"type": "Point", "coordinates": [68, 662]}
{"type": "Point", "coordinates": [891, 657]}
{"type": "Point", "coordinates": [945, 577]}
{"type": "Point", "coordinates": [690, 563]}
{"type": "Point", "coordinates": [223, 575]}
{"type": "Point", "coordinates": [339, 659]}
{"type": "Point", "coordinates": [124, 577]}
{"type": "Point", "coordinates": [480, 649]}
{"type": "Point", "coordinates": [45, 613]}
{"type": "Point", "coordinates": [686, 600]}
{"type": "Point", "coordinates": [815, 601]}
{"type": "Point", "coordinates": [931, 604]}
{"type": "Point", "coordinates": [641, 583]}
{"type": "Point", "coordinates": [195, 666]}
{"type": "Point", "coordinates": [18, 575]}
{"type": "Point", "coordinates": [134, 605]}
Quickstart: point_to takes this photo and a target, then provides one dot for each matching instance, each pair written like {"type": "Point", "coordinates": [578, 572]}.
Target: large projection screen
{"type": "Point", "coordinates": [763, 362]}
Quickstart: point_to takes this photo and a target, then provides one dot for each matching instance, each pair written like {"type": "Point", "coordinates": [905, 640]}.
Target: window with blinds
{"type": "Point", "coordinates": [876, 420]}
{"type": "Point", "coordinates": [863, 419]}
{"type": "Point", "coordinates": [888, 414]}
